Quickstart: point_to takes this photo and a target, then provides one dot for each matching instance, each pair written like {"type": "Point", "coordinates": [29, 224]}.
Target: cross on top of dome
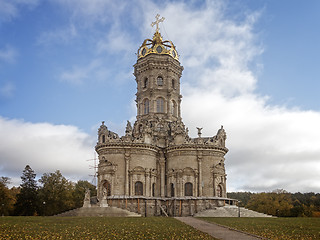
{"type": "Point", "coordinates": [156, 45]}
{"type": "Point", "coordinates": [157, 22]}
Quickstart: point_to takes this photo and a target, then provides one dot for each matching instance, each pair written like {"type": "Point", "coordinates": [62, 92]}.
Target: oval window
{"type": "Point", "coordinates": [159, 49]}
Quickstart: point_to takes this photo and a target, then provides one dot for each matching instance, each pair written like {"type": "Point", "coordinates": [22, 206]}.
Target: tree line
{"type": "Point", "coordinates": [50, 195]}
{"type": "Point", "coordinates": [53, 194]}
{"type": "Point", "coordinates": [280, 203]}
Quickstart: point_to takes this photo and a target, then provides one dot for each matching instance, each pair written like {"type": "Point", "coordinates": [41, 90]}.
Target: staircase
{"type": "Point", "coordinates": [230, 211]}
{"type": "Point", "coordinates": [96, 211]}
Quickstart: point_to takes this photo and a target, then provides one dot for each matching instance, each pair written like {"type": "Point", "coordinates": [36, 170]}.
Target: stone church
{"type": "Point", "coordinates": [156, 158]}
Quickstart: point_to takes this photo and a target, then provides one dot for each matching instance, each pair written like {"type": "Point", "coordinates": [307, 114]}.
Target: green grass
{"type": "Point", "coordinates": [274, 228]}
{"type": "Point", "coordinates": [96, 228]}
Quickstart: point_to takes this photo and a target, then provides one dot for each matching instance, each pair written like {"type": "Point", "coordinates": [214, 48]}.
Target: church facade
{"type": "Point", "coordinates": [156, 158]}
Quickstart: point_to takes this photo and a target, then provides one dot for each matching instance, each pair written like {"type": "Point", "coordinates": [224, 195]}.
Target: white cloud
{"type": "Point", "coordinates": [270, 146]}
{"type": "Point", "coordinates": [8, 54]}
{"type": "Point", "coordinates": [45, 147]}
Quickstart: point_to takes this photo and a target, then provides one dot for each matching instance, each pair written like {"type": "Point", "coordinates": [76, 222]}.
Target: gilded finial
{"type": "Point", "coordinates": [157, 22]}
{"type": "Point", "coordinates": [156, 45]}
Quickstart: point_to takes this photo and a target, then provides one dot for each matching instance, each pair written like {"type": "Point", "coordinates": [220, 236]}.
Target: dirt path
{"type": "Point", "coordinates": [216, 231]}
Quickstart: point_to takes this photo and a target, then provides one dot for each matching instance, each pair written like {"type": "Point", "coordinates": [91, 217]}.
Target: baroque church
{"type": "Point", "coordinates": [156, 158]}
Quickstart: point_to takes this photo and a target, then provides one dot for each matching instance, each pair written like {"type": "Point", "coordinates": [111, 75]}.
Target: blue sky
{"type": "Point", "coordinates": [250, 65]}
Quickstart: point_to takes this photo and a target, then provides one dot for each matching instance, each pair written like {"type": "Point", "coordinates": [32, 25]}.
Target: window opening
{"type": "Point", "coordinates": [160, 81]}
{"type": "Point", "coordinates": [138, 188]}
{"type": "Point", "coordinates": [153, 189]}
{"type": "Point", "coordinates": [188, 191]}
{"type": "Point", "coordinates": [145, 83]}
{"type": "Point", "coordinates": [146, 106]}
{"type": "Point", "coordinates": [172, 189]}
{"type": "Point", "coordinates": [160, 105]}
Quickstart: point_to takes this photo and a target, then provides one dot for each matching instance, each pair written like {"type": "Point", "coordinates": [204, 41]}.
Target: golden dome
{"type": "Point", "coordinates": [156, 45]}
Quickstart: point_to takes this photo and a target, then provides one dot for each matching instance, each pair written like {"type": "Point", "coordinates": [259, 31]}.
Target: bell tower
{"type": "Point", "coordinates": [158, 72]}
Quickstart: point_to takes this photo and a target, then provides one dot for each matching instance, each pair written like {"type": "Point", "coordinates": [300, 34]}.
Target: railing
{"type": "Point", "coordinates": [174, 206]}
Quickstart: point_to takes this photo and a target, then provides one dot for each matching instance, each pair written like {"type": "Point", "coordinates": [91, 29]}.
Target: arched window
{"type": "Point", "coordinates": [173, 84]}
{"type": "Point", "coordinates": [173, 108]}
{"type": "Point", "coordinates": [146, 106]}
{"type": "Point", "coordinates": [160, 105]}
{"type": "Point", "coordinates": [138, 188]}
{"type": "Point", "coordinates": [172, 189]}
{"type": "Point", "coordinates": [107, 188]}
{"type": "Point", "coordinates": [160, 81]}
{"type": "Point", "coordinates": [188, 189]}
{"type": "Point", "coordinates": [145, 83]}
{"type": "Point", "coordinates": [103, 138]}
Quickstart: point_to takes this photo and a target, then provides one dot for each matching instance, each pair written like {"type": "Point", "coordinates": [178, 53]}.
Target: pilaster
{"type": "Point", "coordinates": [127, 162]}
{"type": "Point", "coordinates": [162, 163]}
{"type": "Point", "coordinates": [200, 182]}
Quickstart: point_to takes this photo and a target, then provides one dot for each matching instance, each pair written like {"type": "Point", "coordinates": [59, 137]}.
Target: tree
{"type": "Point", "coordinates": [56, 193]}
{"type": "Point", "coordinates": [79, 191]}
{"type": "Point", "coordinates": [243, 197]}
{"type": "Point", "coordinates": [278, 203]}
{"type": "Point", "coordinates": [27, 199]}
{"type": "Point", "coordinates": [6, 201]}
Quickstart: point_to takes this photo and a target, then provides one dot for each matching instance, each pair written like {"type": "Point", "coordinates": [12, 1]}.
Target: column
{"type": "Point", "coordinates": [112, 184]}
{"type": "Point", "coordinates": [162, 174]}
{"type": "Point", "coordinates": [179, 104]}
{"type": "Point", "coordinates": [99, 192]}
{"type": "Point", "coordinates": [151, 182]}
{"type": "Point", "coordinates": [200, 173]}
{"type": "Point", "coordinates": [146, 175]}
{"type": "Point", "coordinates": [126, 182]}
{"type": "Point", "coordinates": [168, 104]}
{"type": "Point", "coordinates": [177, 190]}
{"type": "Point", "coordinates": [196, 185]}
{"type": "Point", "coordinates": [182, 188]}
{"type": "Point", "coordinates": [225, 186]}
{"type": "Point", "coordinates": [131, 184]}
{"type": "Point", "coordinates": [214, 185]}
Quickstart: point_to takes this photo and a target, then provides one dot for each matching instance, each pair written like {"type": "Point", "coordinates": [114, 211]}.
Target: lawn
{"type": "Point", "coordinates": [274, 228]}
{"type": "Point", "coordinates": [96, 228]}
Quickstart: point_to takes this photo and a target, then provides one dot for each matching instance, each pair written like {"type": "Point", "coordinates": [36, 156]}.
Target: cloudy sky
{"type": "Point", "coordinates": [250, 65]}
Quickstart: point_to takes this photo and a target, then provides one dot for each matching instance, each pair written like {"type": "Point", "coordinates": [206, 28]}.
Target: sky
{"type": "Point", "coordinates": [249, 65]}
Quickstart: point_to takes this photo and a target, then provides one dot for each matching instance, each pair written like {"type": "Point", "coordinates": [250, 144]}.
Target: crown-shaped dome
{"type": "Point", "coordinates": [157, 45]}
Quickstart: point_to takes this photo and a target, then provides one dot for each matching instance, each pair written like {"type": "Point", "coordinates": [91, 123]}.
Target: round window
{"type": "Point", "coordinates": [143, 52]}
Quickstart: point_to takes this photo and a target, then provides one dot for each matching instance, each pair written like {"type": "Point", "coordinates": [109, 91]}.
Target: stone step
{"type": "Point", "coordinates": [230, 211]}
{"type": "Point", "coordinates": [98, 212]}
